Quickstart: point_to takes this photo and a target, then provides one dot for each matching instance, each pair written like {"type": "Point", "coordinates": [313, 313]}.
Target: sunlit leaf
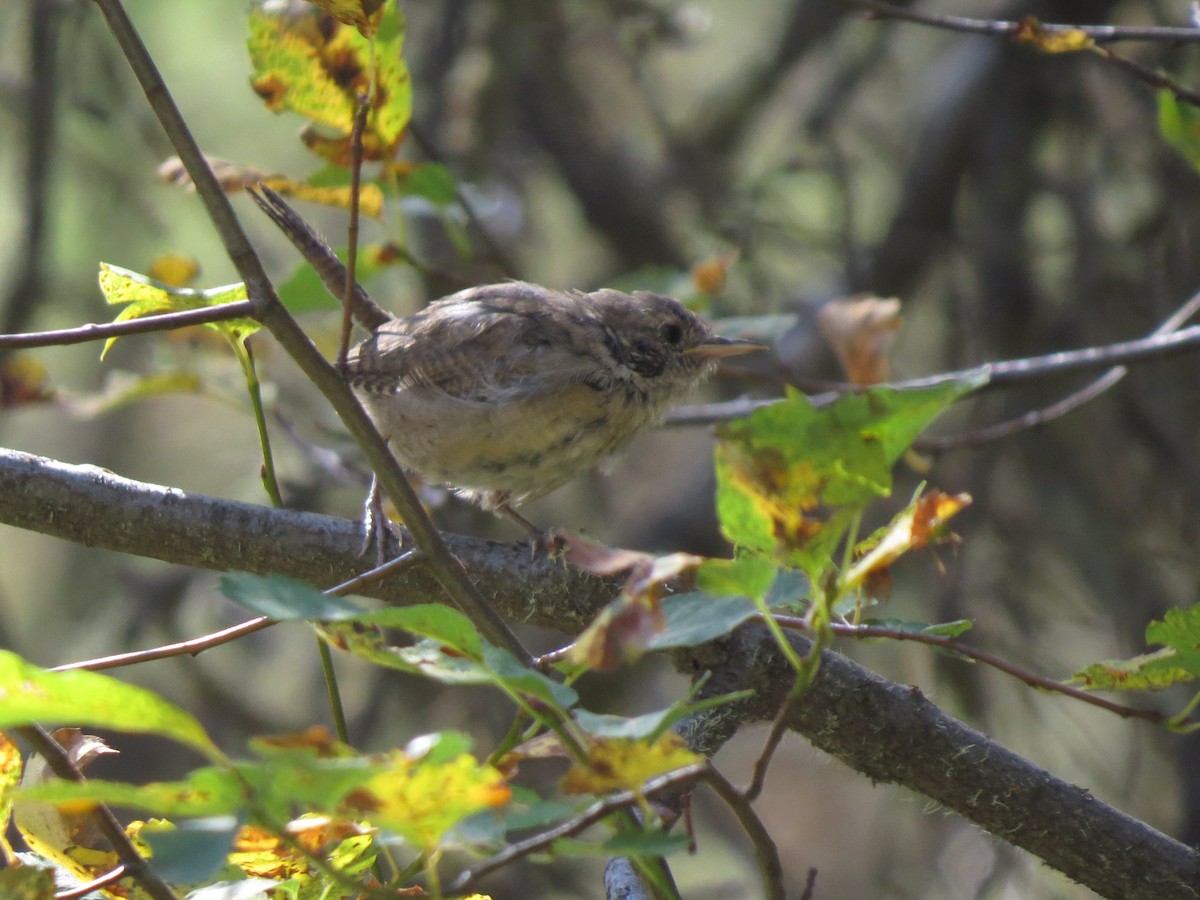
{"type": "Point", "coordinates": [790, 477]}
{"type": "Point", "coordinates": [437, 621]}
{"type": "Point", "coordinates": [207, 791]}
{"type": "Point", "coordinates": [918, 524]}
{"type": "Point", "coordinates": [144, 296]}
{"type": "Point", "coordinates": [29, 695]}
{"type": "Point", "coordinates": [423, 801]}
{"type": "Point", "coordinates": [302, 64]}
{"type": "Point", "coordinates": [623, 764]}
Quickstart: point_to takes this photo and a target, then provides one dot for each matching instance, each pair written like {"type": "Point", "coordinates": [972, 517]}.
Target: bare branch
{"type": "Point", "coordinates": [93, 332]}
{"type": "Point", "coordinates": [1101, 34]}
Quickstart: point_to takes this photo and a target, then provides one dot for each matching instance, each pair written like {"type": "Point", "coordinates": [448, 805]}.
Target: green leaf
{"type": "Point", "coordinates": [791, 478]}
{"type": "Point", "coordinates": [942, 629]}
{"type": "Point", "coordinates": [433, 182]}
{"type": "Point", "coordinates": [1149, 672]}
{"type": "Point", "coordinates": [436, 621]}
{"type": "Point", "coordinates": [191, 851]}
{"type": "Point", "coordinates": [1179, 630]}
{"type": "Point", "coordinates": [283, 598]}
{"type": "Point", "coordinates": [696, 618]}
{"type": "Point", "coordinates": [122, 389]}
{"type": "Point", "coordinates": [509, 671]}
{"type": "Point", "coordinates": [206, 791]}
{"type": "Point", "coordinates": [1179, 124]}
{"type": "Point", "coordinates": [29, 695]}
{"type": "Point", "coordinates": [143, 296]}
{"type": "Point", "coordinates": [746, 575]}
{"type": "Point", "coordinates": [650, 725]}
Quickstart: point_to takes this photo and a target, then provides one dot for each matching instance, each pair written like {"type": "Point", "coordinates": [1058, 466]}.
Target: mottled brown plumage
{"type": "Point", "coordinates": [508, 391]}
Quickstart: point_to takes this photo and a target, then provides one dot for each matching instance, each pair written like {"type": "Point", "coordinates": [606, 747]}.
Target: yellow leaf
{"type": "Point", "coordinates": [146, 297]}
{"type": "Point", "coordinates": [421, 802]}
{"type": "Point", "coordinates": [624, 764]}
{"type": "Point", "coordinates": [23, 379]}
{"type": "Point", "coordinates": [918, 525]}
{"type": "Point", "coordinates": [1030, 31]}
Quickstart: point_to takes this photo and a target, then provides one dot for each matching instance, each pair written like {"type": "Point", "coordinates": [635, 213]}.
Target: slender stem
{"type": "Point", "coordinates": [337, 709]}
{"type": "Point", "coordinates": [765, 850]}
{"type": "Point", "coordinates": [356, 159]}
{"type": "Point", "coordinates": [270, 483]}
{"type": "Point", "coordinates": [672, 781]}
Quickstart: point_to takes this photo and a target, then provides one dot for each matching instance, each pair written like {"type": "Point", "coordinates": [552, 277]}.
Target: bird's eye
{"type": "Point", "coordinates": [672, 333]}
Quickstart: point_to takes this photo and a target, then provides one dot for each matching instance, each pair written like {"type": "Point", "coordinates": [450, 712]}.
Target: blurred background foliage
{"type": "Point", "coordinates": [1016, 203]}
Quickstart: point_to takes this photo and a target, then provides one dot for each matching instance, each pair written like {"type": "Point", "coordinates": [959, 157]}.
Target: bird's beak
{"type": "Point", "coordinates": [720, 347]}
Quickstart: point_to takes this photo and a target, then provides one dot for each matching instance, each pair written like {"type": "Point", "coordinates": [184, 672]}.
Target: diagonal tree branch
{"type": "Point", "coordinates": [887, 731]}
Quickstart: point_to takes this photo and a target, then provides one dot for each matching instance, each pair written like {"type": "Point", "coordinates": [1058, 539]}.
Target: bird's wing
{"type": "Point", "coordinates": [481, 344]}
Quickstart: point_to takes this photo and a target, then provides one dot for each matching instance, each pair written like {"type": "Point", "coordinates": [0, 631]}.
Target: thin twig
{"type": "Point", "coordinates": [94, 332]}
{"type": "Point", "coordinates": [1101, 34]}
{"type": "Point", "coordinates": [999, 374]}
{"type": "Point", "coordinates": [678, 778]}
{"type": "Point", "coordinates": [356, 159]}
{"type": "Point", "coordinates": [1152, 77]}
{"type": "Point", "coordinates": [196, 646]}
{"type": "Point", "coordinates": [1067, 404]}
{"type": "Point", "coordinates": [941, 641]}
{"type": "Point", "coordinates": [110, 877]}
{"type": "Point", "coordinates": [61, 765]}
{"type": "Point", "coordinates": [765, 850]}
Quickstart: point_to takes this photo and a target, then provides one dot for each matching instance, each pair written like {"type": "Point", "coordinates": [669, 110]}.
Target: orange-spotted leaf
{"type": "Point", "coordinates": [921, 523]}
{"type": "Point", "coordinates": [1052, 40]}
{"type": "Point", "coordinates": [143, 296]}
{"type": "Point", "coordinates": [318, 67]}
{"type": "Point", "coordinates": [616, 764]}
{"type": "Point", "coordinates": [23, 380]}
{"type": "Point", "coordinates": [791, 477]}
{"type": "Point", "coordinates": [423, 801]}
{"type": "Point", "coordinates": [861, 331]}
{"type": "Point", "coordinates": [1177, 662]}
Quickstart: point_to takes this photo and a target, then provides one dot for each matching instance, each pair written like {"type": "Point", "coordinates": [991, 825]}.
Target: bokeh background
{"type": "Point", "coordinates": [1017, 203]}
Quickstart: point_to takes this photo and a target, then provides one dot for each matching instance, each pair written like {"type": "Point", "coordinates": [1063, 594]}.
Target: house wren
{"type": "Point", "coordinates": [508, 391]}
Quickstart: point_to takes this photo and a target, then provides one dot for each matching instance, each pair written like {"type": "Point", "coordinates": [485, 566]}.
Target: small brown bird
{"type": "Point", "coordinates": [508, 391]}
